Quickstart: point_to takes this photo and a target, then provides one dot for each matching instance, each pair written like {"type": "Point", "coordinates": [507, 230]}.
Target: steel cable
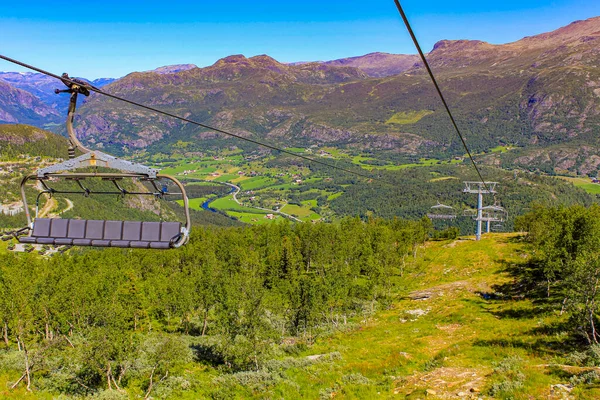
{"type": "Point", "coordinates": [437, 88]}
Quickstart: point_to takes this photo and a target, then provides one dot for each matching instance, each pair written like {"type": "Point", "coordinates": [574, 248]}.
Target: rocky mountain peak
{"type": "Point", "coordinates": [460, 45]}
{"type": "Point", "coordinates": [574, 33]}
{"type": "Point", "coordinates": [233, 59]}
{"type": "Point", "coordinates": [172, 69]}
{"type": "Point", "coordinates": [265, 61]}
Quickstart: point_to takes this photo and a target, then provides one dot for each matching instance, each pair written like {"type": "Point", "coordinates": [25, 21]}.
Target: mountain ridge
{"type": "Point", "coordinates": [536, 92]}
{"type": "Point", "coordinates": [378, 64]}
{"type": "Point", "coordinates": [42, 87]}
{"type": "Point", "coordinates": [330, 103]}
{"type": "Point", "coordinates": [18, 105]}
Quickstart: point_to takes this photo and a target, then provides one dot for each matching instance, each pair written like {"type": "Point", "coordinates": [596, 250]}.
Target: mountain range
{"type": "Point", "coordinates": [20, 106]}
{"type": "Point", "coordinates": [540, 94]}
{"type": "Point", "coordinates": [42, 87]}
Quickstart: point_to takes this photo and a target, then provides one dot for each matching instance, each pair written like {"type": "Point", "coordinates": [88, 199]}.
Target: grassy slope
{"type": "Point", "coordinates": [452, 349]}
{"type": "Point", "coordinates": [24, 139]}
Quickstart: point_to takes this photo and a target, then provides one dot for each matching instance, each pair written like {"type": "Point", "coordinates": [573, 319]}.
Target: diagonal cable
{"type": "Point", "coordinates": [437, 88]}
{"type": "Point", "coordinates": [156, 110]}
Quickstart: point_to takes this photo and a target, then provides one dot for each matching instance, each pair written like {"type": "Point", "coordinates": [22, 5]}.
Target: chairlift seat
{"type": "Point", "coordinates": [127, 234]}
{"type": "Point", "coordinates": [100, 233]}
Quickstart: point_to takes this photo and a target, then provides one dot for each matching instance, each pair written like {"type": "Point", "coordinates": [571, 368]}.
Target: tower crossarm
{"type": "Point", "coordinates": [480, 187]}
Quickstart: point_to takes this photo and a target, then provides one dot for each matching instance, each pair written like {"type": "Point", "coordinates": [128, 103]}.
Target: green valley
{"type": "Point", "coordinates": [332, 206]}
{"type": "Point", "coordinates": [274, 184]}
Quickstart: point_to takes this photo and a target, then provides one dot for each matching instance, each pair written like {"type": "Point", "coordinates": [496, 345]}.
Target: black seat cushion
{"type": "Point", "coordinates": [113, 230]}
{"type": "Point", "coordinates": [169, 231]}
{"type": "Point", "coordinates": [120, 243]}
{"type": "Point", "coordinates": [59, 228]}
{"type": "Point", "coordinates": [76, 228]}
{"type": "Point", "coordinates": [160, 245]}
{"type": "Point", "coordinates": [42, 228]}
{"type": "Point", "coordinates": [140, 245]}
{"type": "Point", "coordinates": [151, 231]}
{"type": "Point", "coordinates": [136, 234]}
{"type": "Point", "coordinates": [94, 229]}
{"type": "Point", "coordinates": [132, 230]}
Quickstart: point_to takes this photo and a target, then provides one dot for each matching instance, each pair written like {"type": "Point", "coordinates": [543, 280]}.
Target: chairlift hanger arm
{"type": "Point", "coordinates": [86, 191]}
{"type": "Point", "coordinates": [146, 238]}
{"type": "Point", "coordinates": [98, 159]}
{"type": "Point", "coordinates": [47, 188]}
{"type": "Point", "coordinates": [75, 87]}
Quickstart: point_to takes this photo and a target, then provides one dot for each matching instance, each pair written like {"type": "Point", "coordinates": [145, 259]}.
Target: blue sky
{"type": "Point", "coordinates": [112, 38]}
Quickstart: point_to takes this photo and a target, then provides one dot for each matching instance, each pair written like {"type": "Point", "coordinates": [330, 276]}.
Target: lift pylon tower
{"type": "Point", "coordinates": [479, 188]}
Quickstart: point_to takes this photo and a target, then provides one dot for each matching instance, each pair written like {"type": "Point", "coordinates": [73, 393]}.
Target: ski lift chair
{"type": "Point", "coordinates": [494, 213]}
{"type": "Point", "coordinates": [498, 227]}
{"type": "Point", "coordinates": [441, 211]}
{"type": "Point", "coordinates": [101, 233]}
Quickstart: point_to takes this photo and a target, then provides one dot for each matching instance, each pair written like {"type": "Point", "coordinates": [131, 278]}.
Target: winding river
{"type": "Point", "coordinates": [206, 206]}
{"type": "Point", "coordinates": [235, 190]}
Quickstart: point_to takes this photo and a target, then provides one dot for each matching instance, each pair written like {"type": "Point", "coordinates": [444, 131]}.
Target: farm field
{"type": "Point", "coordinates": [303, 213]}
{"type": "Point", "coordinates": [423, 162]}
{"type": "Point", "coordinates": [254, 218]}
{"type": "Point", "coordinates": [268, 182]}
{"type": "Point", "coordinates": [584, 183]}
{"type": "Point", "coordinates": [255, 181]}
{"type": "Point", "coordinates": [195, 203]}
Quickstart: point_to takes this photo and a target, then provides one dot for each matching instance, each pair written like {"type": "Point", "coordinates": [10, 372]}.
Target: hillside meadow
{"type": "Point", "coordinates": [361, 310]}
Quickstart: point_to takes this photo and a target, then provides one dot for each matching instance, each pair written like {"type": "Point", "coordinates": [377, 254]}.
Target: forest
{"type": "Point", "coordinates": [232, 312]}
{"type": "Point", "coordinates": [564, 270]}
{"type": "Point", "coordinates": [126, 321]}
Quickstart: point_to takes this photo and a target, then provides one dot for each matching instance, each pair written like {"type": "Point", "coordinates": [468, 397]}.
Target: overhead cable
{"type": "Point", "coordinates": [437, 88]}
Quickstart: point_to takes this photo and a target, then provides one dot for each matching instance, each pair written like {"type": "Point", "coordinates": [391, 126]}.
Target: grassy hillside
{"type": "Point", "coordinates": [448, 333]}
{"type": "Point", "coordinates": [16, 140]}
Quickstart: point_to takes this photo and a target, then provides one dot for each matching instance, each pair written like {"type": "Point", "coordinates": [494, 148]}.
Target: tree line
{"type": "Point", "coordinates": [91, 320]}
{"type": "Point", "coordinates": [564, 269]}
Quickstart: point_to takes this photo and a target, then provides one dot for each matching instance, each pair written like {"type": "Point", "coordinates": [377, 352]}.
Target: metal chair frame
{"type": "Point", "coordinates": [95, 159]}
{"type": "Point", "coordinates": [451, 214]}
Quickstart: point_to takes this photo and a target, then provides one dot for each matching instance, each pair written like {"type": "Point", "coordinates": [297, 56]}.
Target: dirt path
{"type": "Point", "coordinates": [48, 206]}
{"type": "Point", "coordinates": [69, 207]}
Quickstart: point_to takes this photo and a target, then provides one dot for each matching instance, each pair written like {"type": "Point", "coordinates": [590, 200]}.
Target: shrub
{"type": "Point", "coordinates": [356, 379]}
{"type": "Point", "coordinates": [509, 375]}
